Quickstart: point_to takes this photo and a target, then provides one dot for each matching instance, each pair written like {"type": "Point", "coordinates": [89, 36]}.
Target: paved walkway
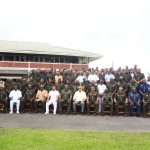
{"type": "Point", "coordinates": [75, 122]}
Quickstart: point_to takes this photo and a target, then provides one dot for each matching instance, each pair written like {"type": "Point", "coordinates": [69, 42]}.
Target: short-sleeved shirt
{"type": "Point", "coordinates": [65, 94]}
{"type": "Point", "coordinates": [93, 77]}
{"type": "Point", "coordinates": [108, 77]}
{"type": "Point", "coordinates": [101, 88]}
{"type": "Point", "coordinates": [15, 95]}
{"type": "Point", "coordinates": [120, 97]}
{"type": "Point", "coordinates": [143, 87]}
{"type": "Point", "coordinates": [134, 97]}
{"type": "Point", "coordinates": [80, 78]}
{"type": "Point", "coordinates": [79, 96]}
{"type": "Point", "coordinates": [57, 77]}
{"type": "Point", "coordinates": [41, 95]}
{"type": "Point", "coordinates": [53, 95]}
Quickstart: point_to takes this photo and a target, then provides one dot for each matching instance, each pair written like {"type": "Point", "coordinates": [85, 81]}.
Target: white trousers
{"type": "Point", "coordinates": [12, 104]}
{"type": "Point", "coordinates": [48, 103]}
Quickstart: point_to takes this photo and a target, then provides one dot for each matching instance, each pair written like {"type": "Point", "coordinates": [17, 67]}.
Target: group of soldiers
{"type": "Point", "coordinates": [88, 88]}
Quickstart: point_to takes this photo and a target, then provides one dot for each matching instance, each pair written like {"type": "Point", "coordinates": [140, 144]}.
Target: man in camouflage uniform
{"type": "Point", "coordinates": [112, 87]}
{"type": "Point", "coordinates": [74, 86]}
{"type": "Point", "coordinates": [29, 97]}
{"type": "Point", "coordinates": [146, 102]}
{"type": "Point", "coordinates": [37, 76]}
{"type": "Point", "coordinates": [23, 86]}
{"type": "Point", "coordinates": [41, 82]}
{"type": "Point", "coordinates": [3, 95]}
{"type": "Point", "coordinates": [126, 75]}
{"type": "Point", "coordinates": [92, 100]}
{"type": "Point", "coordinates": [59, 85]}
{"type": "Point", "coordinates": [121, 99]}
{"type": "Point", "coordinates": [50, 75]}
{"type": "Point", "coordinates": [132, 83]}
{"type": "Point", "coordinates": [9, 85]}
{"type": "Point", "coordinates": [138, 75]}
{"type": "Point", "coordinates": [66, 96]}
{"type": "Point", "coordinates": [74, 75]}
{"type": "Point", "coordinates": [33, 83]}
{"type": "Point", "coordinates": [69, 84]}
{"type": "Point", "coordinates": [49, 85]}
{"type": "Point", "coordinates": [67, 76]}
{"type": "Point", "coordinates": [122, 83]}
{"type": "Point", "coordinates": [119, 75]}
{"type": "Point", "coordinates": [107, 100]}
{"type": "Point", "coordinates": [86, 86]}
{"type": "Point", "coordinates": [101, 75]}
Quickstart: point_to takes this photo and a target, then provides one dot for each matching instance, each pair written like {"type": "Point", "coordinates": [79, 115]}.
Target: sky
{"type": "Point", "coordinates": [117, 29]}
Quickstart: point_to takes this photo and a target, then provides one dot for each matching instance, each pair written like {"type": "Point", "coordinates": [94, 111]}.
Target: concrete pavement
{"type": "Point", "coordinates": [75, 122]}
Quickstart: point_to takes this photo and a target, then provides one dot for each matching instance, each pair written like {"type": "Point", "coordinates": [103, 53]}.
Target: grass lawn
{"type": "Point", "coordinates": [44, 139]}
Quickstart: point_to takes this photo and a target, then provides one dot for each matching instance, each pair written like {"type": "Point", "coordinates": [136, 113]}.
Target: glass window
{"type": "Point", "coordinates": [27, 58]}
{"type": "Point", "coordinates": [66, 59]}
{"type": "Point", "coordinates": [47, 58]}
{"type": "Point", "coordinates": [17, 58]}
{"type": "Point", "coordinates": [36, 58]}
{"type": "Point", "coordinates": [8, 58]}
{"type": "Point", "coordinates": [52, 59]}
{"type": "Point", "coordinates": [23, 58]}
{"type": "Point", "coordinates": [75, 60]}
{"type": "Point", "coordinates": [61, 59]}
{"type": "Point", "coordinates": [56, 59]}
{"type": "Point", "coordinates": [31, 58]}
{"type": "Point", "coordinates": [41, 58]}
{"type": "Point", "coordinates": [1, 57]}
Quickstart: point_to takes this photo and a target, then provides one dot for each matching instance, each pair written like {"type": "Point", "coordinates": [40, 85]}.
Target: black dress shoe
{"type": "Point", "coordinates": [74, 113]}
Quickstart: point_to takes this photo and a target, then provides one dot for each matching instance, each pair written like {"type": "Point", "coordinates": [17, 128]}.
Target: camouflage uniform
{"type": "Point", "coordinates": [92, 101]}
{"type": "Point", "coordinates": [29, 97]}
{"type": "Point", "coordinates": [59, 86]}
{"type": "Point", "coordinates": [3, 98]}
{"type": "Point", "coordinates": [107, 100]}
{"type": "Point", "coordinates": [66, 96]}
{"type": "Point", "coordinates": [112, 88]}
{"type": "Point", "coordinates": [120, 100]}
{"type": "Point", "coordinates": [146, 103]}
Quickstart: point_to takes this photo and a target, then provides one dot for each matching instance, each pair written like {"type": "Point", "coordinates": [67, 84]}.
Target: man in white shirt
{"type": "Point", "coordinates": [93, 77]}
{"type": "Point", "coordinates": [81, 77]}
{"type": "Point", "coordinates": [101, 89]}
{"type": "Point", "coordinates": [52, 99]}
{"type": "Point", "coordinates": [15, 96]}
{"type": "Point", "coordinates": [79, 99]}
{"type": "Point", "coordinates": [109, 76]}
